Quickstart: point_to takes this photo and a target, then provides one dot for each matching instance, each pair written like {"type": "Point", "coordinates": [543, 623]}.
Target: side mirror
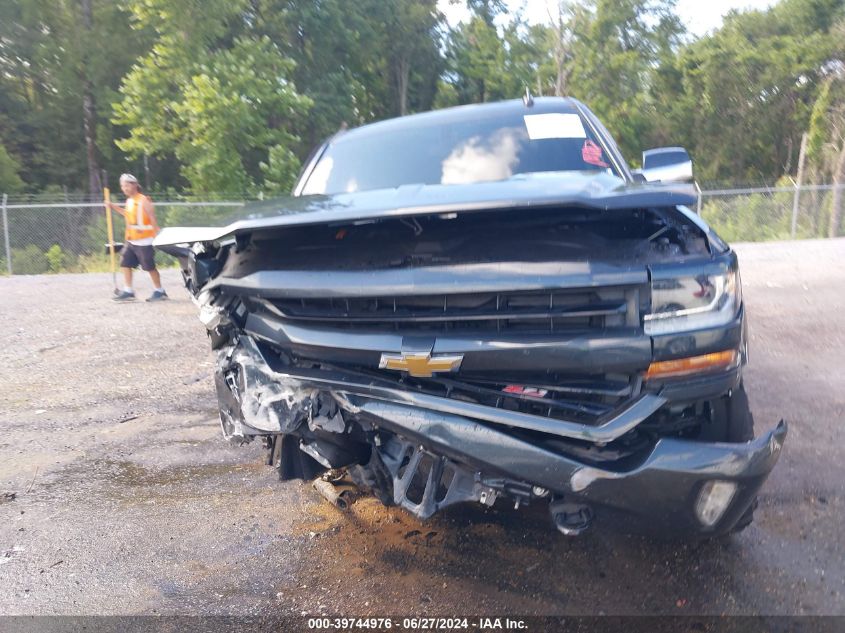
{"type": "Point", "coordinates": [667, 164]}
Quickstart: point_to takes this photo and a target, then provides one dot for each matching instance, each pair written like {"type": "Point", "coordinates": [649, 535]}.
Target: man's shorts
{"type": "Point", "coordinates": [133, 254]}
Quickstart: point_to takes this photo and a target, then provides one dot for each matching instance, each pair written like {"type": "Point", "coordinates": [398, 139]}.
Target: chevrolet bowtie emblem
{"type": "Point", "coordinates": [421, 364]}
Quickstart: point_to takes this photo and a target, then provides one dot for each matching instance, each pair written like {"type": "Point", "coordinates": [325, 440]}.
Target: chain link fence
{"type": "Point", "coordinates": [71, 236]}
{"type": "Point", "coordinates": [68, 233]}
{"type": "Point", "coordinates": [770, 213]}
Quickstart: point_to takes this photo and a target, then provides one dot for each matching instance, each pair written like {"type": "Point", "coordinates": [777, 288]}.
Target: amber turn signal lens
{"type": "Point", "coordinates": [692, 365]}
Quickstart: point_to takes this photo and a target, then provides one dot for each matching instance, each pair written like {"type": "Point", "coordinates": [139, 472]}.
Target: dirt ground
{"type": "Point", "coordinates": [127, 500]}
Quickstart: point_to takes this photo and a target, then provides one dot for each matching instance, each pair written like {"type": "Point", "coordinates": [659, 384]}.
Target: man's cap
{"type": "Point", "coordinates": [128, 178]}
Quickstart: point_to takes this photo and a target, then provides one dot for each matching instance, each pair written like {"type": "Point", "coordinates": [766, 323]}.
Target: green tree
{"type": "Point", "coordinates": [527, 47]}
{"type": "Point", "coordinates": [328, 41]}
{"type": "Point", "coordinates": [617, 45]}
{"type": "Point", "coordinates": [476, 56]}
{"type": "Point", "coordinates": [29, 260]}
{"type": "Point", "coordinates": [409, 41]}
{"type": "Point", "coordinates": [10, 181]}
{"type": "Point", "coordinates": [232, 94]}
{"type": "Point", "coordinates": [60, 63]}
{"type": "Point", "coordinates": [826, 146]}
{"type": "Point", "coordinates": [212, 92]}
{"type": "Point", "coordinates": [554, 69]}
{"type": "Point", "coordinates": [57, 259]}
{"type": "Point", "coordinates": [357, 62]}
{"type": "Point", "coordinates": [604, 52]}
{"type": "Point", "coordinates": [746, 92]}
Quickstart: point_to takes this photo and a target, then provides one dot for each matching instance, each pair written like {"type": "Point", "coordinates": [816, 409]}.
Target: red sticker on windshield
{"type": "Point", "coordinates": [591, 154]}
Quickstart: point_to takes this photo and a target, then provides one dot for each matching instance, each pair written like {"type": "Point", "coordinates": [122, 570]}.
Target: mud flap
{"type": "Point", "coordinates": [291, 462]}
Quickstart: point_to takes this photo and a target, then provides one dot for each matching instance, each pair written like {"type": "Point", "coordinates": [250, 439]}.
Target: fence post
{"type": "Point", "coordinates": [801, 155]}
{"type": "Point", "coordinates": [6, 235]}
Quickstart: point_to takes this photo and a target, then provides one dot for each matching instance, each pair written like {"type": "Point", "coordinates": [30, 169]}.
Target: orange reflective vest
{"type": "Point", "coordinates": [138, 225]}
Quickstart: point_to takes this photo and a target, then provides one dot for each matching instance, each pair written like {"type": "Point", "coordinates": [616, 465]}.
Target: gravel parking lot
{"type": "Point", "coordinates": [119, 496]}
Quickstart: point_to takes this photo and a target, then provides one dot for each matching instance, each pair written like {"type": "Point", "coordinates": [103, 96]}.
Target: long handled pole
{"type": "Point", "coordinates": [110, 227]}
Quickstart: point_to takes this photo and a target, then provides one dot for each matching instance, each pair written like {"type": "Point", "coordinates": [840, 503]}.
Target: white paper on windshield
{"type": "Point", "coordinates": [554, 125]}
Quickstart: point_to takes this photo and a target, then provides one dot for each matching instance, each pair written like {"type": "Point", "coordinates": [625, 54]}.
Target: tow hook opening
{"type": "Point", "coordinates": [570, 519]}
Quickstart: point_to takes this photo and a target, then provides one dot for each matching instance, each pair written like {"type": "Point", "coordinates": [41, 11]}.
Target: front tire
{"type": "Point", "coordinates": [373, 477]}
{"type": "Point", "coordinates": [731, 420]}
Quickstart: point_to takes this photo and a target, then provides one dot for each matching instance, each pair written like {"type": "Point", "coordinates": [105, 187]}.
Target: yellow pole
{"type": "Point", "coordinates": [110, 227]}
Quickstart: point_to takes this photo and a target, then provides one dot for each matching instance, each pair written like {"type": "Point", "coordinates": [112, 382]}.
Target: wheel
{"type": "Point", "coordinates": [731, 421]}
{"type": "Point", "coordinates": [292, 462]}
{"type": "Point", "coordinates": [373, 477]}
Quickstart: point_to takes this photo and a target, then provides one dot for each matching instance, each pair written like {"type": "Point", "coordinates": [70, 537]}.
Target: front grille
{"type": "Point", "coordinates": [584, 398]}
{"type": "Point", "coordinates": [543, 311]}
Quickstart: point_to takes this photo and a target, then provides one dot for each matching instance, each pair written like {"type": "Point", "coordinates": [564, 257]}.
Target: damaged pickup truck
{"type": "Point", "coordinates": [485, 303]}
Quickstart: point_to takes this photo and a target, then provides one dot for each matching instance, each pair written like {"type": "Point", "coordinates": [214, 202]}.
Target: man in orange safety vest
{"type": "Point", "coordinates": [141, 228]}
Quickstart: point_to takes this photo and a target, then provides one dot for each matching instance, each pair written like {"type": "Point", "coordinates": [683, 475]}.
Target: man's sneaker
{"type": "Point", "coordinates": [123, 295]}
{"type": "Point", "coordinates": [158, 295]}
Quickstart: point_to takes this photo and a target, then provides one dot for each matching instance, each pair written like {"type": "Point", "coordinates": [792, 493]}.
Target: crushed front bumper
{"type": "Point", "coordinates": [656, 496]}
{"type": "Point", "coordinates": [656, 492]}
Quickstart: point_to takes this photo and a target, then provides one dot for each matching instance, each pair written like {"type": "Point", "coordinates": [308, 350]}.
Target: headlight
{"type": "Point", "coordinates": [682, 304]}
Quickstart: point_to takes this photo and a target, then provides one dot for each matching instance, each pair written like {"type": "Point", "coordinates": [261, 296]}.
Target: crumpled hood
{"type": "Point", "coordinates": [591, 190]}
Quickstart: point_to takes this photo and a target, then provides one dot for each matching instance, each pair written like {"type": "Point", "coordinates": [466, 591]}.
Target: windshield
{"type": "Point", "coordinates": [447, 150]}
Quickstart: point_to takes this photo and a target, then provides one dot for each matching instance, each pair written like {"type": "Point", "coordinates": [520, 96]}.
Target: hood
{"type": "Point", "coordinates": [589, 190]}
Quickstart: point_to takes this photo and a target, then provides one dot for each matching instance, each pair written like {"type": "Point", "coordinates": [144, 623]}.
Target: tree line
{"type": "Point", "coordinates": [231, 95]}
